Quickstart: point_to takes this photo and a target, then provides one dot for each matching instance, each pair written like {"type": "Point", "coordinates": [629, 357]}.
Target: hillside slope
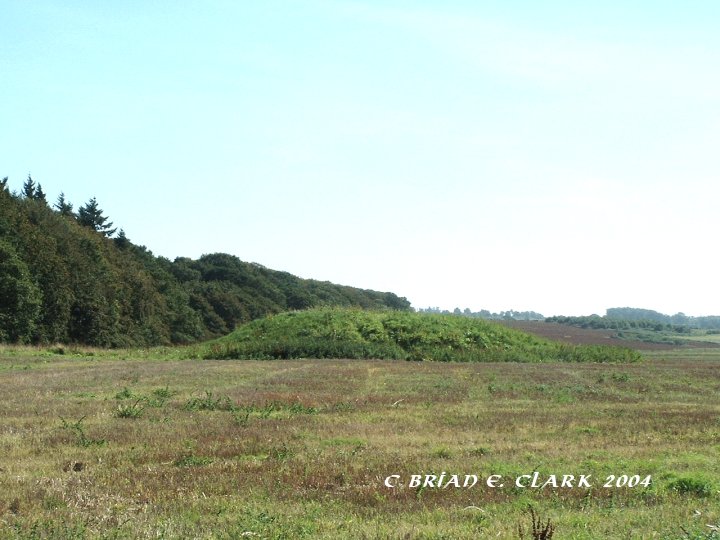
{"type": "Point", "coordinates": [64, 282]}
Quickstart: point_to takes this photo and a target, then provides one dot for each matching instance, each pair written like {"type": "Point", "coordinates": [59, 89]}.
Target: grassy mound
{"type": "Point", "coordinates": [353, 333]}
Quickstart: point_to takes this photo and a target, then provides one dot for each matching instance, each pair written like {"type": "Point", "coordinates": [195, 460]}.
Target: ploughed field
{"type": "Point", "coordinates": [147, 444]}
{"type": "Point", "coordinates": [589, 336]}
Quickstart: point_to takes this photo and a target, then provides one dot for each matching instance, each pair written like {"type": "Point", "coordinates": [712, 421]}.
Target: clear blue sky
{"type": "Point", "coordinates": [562, 157]}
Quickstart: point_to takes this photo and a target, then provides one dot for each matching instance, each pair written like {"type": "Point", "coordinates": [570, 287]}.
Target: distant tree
{"type": "Point", "coordinates": [636, 314]}
{"type": "Point", "coordinates": [298, 299]}
{"type": "Point", "coordinates": [394, 301]}
{"type": "Point", "coordinates": [680, 318]}
{"type": "Point", "coordinates": [90, 215]}
{"type": "Point", "coordinates": [40, 194]}
{"type": "Point", "coordinates": [3, 184]}
{"type": "Point", "coordinates": [29, 188]}
{"type": "Point", "coordinates": [121, 240]}
{"type": "Point", "coordinates": [63, 207]}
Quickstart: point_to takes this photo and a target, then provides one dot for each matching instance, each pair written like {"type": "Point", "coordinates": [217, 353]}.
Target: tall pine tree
{"type": "Point", "coordinates": [29, 188]}
{"type": "Point", "coordinates": [40, 194]}
{"type": "Point", "coordinates": [63, 207]}
{"type": "Point", "coordinates": [91, 216]}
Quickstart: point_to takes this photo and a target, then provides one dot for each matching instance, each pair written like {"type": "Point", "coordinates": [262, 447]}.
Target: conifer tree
{"type": "Point", "coordinates": [121, 240]}
{"type": "Point", "coordinates": [63, 207]}
{"type": "Point", "coordinates": [40, 194]}
{"type": "Point", "coordinates": [91, 216]}
{"type": "Point", "coordinates": [3, 184]}
{"type": "Point", "coordinates": [29, 188]}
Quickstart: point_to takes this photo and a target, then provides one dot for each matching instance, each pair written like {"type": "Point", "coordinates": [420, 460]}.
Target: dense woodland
{"type": "Point", "coordinates": [69, 276]}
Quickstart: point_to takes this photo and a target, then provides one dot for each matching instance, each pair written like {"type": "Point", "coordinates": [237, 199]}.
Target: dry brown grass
{"type": "Point", "coordinates": [305, 447]}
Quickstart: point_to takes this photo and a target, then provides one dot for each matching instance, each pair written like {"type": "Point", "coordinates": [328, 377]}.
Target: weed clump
{"type": "Point", "coordinates": [133, 410]}
{"type": "Point", "coordinates": [209, 403]}
{"type": "Point", "coordinates": [81, 439]}
{"type": "Point", "coordinates": [538, 530]}
{"type": "Point", "coordinates": [125, 393]}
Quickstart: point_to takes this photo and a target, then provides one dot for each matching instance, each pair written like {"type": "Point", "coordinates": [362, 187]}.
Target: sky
{"type": "Point", "coordinates": [555, 156]}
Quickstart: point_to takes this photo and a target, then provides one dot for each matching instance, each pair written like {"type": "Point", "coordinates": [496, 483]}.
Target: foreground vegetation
{"type": "Point", "coordinates": [64, 279]}
{"type": "Point", "coordinates": [353, 333]}
{"type": "Point", "coordinates": [144, 444]}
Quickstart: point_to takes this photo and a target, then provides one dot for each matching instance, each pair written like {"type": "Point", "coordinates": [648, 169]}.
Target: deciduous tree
{"type": "Point", "coordinates": [20, 298]}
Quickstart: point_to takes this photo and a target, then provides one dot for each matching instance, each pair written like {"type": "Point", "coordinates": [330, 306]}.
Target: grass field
{"type": "Point", "coordinates": [147, 444]}
{"type": "Point", "coordinates": [705, 338]}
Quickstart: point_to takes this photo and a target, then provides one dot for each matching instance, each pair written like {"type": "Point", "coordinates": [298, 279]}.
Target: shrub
{"type": "Point", "coordinates": [80, 438]}
{"type": "Point", "coordinates": [538, 530]}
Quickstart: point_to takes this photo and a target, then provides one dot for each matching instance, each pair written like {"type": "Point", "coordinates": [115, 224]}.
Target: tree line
{"type": "Point", "coordinates": [67, 277]}
{"type": "Point", "coordinates": [636, 318]}
{"type": "Point", "coordinates": [509, 315]}
{"type": "Point", "coordinates": [597, 322]}
{"type": "Point", "coordinates": [637, 314]}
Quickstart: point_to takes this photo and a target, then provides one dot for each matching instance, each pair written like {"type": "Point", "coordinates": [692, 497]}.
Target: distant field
{"type": "Point", "coordinates": [146, 444]}
{"type": "Point", "coordinates": [708, 338]}
{"type": "Point", "coordinates": [587, 336]}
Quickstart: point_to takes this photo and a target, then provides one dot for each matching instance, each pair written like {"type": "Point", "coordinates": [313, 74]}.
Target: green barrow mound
{"type": "Point", "coordinates": [358, 334]}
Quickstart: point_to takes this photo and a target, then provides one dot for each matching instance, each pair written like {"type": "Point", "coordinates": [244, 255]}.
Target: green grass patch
{"type": "Point", "coordinates": [697, 486]}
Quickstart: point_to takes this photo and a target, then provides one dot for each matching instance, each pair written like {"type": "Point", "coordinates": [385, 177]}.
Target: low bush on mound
{"type": "Point", "coordinates": [354, 333]}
